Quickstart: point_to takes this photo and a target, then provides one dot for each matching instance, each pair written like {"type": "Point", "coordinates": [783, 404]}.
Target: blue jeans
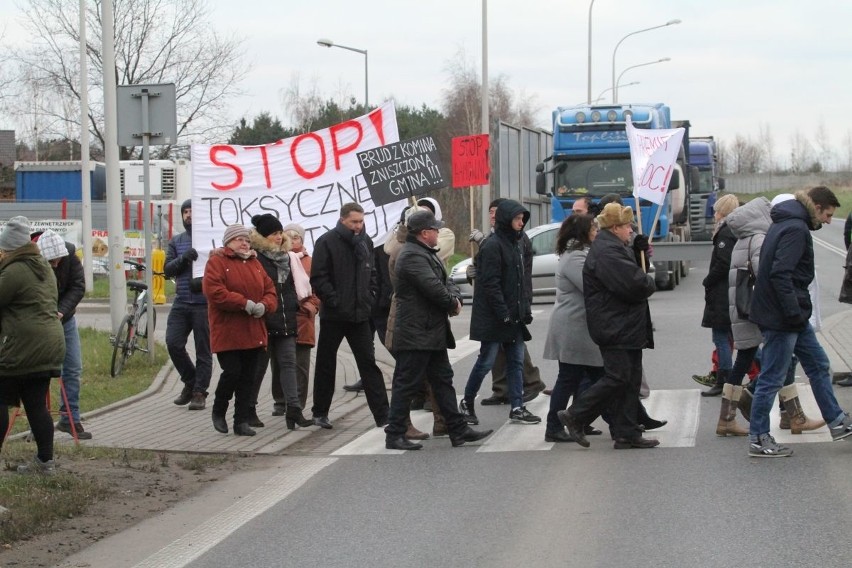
{"type": "Point", "coordinates": [185, 318]}
{"type": "Point", "coordinates": [572, 380]}
{"type": "Point", "coordinates": [72, 369]}
{"type": "Point", "coordinates": [778, 350]}
{"type": "Point", "coordinates": [514, 351]}
{"type": "Point", "coordinates": [722, 341]}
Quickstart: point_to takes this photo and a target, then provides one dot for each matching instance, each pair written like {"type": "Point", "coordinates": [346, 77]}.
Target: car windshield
{"type": "Point", "coordinates": [595, 178]}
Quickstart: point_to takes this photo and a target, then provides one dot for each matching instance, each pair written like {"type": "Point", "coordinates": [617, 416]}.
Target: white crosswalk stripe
{"type": "Point", "coordinates": [680, 407]}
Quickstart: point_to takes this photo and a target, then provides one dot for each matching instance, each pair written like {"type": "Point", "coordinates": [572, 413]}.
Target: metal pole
{"type": "Point", "coordinates": [366, 82]}
{"type": "Point", "coordinates": [592, 3]}
{"type": "Point", "coordinates": [115, 227]}
{"type": "Point", "coordinates": [485, 190]}
{"type": "Point", "coordinates": [146, 216]}
{"type": "Point", "coordinates": [615, 95]}
{"type": "Point", "coordinates": [614, 51]}
{"type": "Point", "coordinates": [85, 177]}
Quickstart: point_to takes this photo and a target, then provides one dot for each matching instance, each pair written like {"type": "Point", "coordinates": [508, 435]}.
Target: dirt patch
{"type": "Point", "coordinates": [137, 489]}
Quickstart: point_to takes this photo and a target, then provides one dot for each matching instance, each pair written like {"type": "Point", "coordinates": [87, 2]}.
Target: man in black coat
{"type": "Point", "coordinates": [425, 301]}
{"type": "Point", "coordinates": [502, 308]}
{"type": "Point", "coordinates": [344, 277]}
{"type": "Point", "coordinates": [616, 290]}
{"type": "Point", "coordinates": [781, 307]}
{"type": "Point", "coordinates": [71, 284]}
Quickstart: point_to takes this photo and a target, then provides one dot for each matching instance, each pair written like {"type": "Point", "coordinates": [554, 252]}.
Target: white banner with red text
{"type": "Point", "coordinates": [653, 154]}
{"type": "Point", "coordinates": [304, 179]}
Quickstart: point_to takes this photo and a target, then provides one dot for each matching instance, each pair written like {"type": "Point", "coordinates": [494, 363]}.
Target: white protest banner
{"type": "Point", "coordinates": [653, 154]}
{"type": "Point", "coordinates": [304, 179]}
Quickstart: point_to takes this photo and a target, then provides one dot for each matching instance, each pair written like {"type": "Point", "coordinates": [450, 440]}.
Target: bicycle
{"type": "Point", "coordinates": [136, 331]}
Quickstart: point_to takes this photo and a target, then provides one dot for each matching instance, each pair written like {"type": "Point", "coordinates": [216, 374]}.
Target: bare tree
{"type": "Point", "coordinates": [302, 107]}
{"type": "Point", "coordinates": [801, 153]}
{"type": "Point", "coordinates": [765, 136]}
{"type": "Point", "coordinates": [156, 41]}
{"type": "Point", "coordinates": [746, 156]}
{"type": "Point", "coordinates": [825, 154]}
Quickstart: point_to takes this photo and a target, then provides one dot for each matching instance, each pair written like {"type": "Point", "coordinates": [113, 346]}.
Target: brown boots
{"type": "Point", "coordinates": [727, 425]}
{"type": "Point", "coordinates": [798, 421]}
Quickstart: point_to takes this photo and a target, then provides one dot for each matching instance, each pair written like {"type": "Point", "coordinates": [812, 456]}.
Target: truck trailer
{"type": "Point", "coordinates": [702, 155]}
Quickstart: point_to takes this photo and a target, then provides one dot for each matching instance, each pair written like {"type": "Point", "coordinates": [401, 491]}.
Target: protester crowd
{"type": "Point", "coordinates": [256, 308]}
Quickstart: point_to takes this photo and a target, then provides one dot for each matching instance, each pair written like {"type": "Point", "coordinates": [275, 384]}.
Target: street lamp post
{"type": "Point", "coordinates": [614, 51]}
{"type": "Point", "coordinates": [329, 43]}
{"type": "Point", "coordinates": [589, 88]}
{"type": "Point", "coordinates": [615, 92]}
{"type": "Point", "coordinates": [608, 89]}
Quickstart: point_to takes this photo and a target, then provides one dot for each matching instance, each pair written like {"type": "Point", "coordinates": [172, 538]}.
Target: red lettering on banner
{"type": "Point", "coordinates": [264, 157]}
{"type": "Point", "coordinates": [651, 173]}
{"type": "Point", "coordinates": [294, 148]}
{"type": "Point", "coordinates": [340, 151]}
{"type": "Point", "coordinates": [378, 123]}
{"type": "Point", "coordinates": [214, 151]}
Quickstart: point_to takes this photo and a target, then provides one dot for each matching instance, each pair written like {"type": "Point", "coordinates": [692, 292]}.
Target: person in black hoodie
{"type": "Point", "coordinates": [502, 308]}
{"type": "Point", "coordinates": [344, 277]}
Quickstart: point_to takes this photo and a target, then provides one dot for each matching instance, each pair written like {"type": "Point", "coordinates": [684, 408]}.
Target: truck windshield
{"type": "Point", "coordinates": [705, 181]}
{"type": "Point", "coordinates": [594, 178]}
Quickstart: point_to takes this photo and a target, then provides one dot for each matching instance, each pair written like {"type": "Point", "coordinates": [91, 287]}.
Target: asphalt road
{"type": "Point", "coordinates": [697, 500]}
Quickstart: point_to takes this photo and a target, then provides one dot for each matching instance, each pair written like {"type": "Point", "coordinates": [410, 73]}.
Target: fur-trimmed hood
{"type": "Point", "coordinates": [802, 207]}
{"type": "Point", "coordinates": [262, 244]}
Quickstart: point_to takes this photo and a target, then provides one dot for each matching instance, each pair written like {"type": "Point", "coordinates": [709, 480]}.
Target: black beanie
{"type": "Point", "coordinates": [266, 224]}
{"type": "Point", "coordinates": [185, 205]}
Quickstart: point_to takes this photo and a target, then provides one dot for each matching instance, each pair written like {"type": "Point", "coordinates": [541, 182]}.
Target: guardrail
{"type": "Point", "coordinates": [682, 251]}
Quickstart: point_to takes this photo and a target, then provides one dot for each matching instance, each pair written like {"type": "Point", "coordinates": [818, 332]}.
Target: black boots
{"type": "Point", "coordinates": [185, 395]}
{"type": "Point", "coordinates": [295, 418]}
{"type": "Point", "coordinates": [716, 389]}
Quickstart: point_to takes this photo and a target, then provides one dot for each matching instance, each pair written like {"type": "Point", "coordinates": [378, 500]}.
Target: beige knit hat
{"type": "Point", "coordinates": [234, 231]}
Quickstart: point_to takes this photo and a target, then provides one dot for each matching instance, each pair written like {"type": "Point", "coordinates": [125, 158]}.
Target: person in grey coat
{"type": "Point", "coordinates": [568, 340]}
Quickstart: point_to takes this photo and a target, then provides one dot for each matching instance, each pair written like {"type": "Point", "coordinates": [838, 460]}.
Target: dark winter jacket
{"type": "Point", "coordinates": [384, 290]}
{"type": "Point", "coordinates": [343, 275]}
{"type": "Point", "coordinates": [71, 283]}
{"type": "Point", "coordinates": [283, 320]}
{"type": "Point", "coordinates": [616, 291]}
{"type": "Point", "coordinates": [716, 312]}
{"type": "Point", "coordinates": [781, 300]}
{"type": "Point", "coordinates": [424, 300]}
{"type": "Point", "coordinates": [181, 270]}
{"type": "Point", "coordinates": [503, 281]}
{"type": "Point", "coordinates": [32, 342]}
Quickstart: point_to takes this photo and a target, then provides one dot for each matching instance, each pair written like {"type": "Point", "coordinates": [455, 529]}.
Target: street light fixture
{"type": "Point", "coordinates": [328, 43]}
{"type": "Point", "coordinates": [614, 51]}
{"type": "Point", "coordinates": [608, 89]}
{"type": "Point", "coordinates": [615, 92]}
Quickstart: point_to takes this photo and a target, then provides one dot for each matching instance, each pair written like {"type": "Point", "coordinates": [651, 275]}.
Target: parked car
{"type": "Point", "coordinates": [543, 240]}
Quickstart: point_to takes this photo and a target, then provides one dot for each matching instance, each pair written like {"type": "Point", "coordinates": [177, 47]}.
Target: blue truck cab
{"type": "Point", "coordinates": [703, 156]}
{"type": "Point", "coordinates": [591, 158]}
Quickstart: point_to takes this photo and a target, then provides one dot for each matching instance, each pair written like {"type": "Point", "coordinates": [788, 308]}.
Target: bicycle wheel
{"type": "Point", "coordinates": [146, 323]}
{"type": "Point", "coordinates": [121, 347]}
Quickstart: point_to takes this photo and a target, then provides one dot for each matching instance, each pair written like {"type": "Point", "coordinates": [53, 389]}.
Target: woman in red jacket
{"type": "Point", "coordinates": [238, 293]}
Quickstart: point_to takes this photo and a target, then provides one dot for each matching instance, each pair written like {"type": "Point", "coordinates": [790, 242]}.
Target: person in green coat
{"type": "Point", "coordinates": [32, 342]}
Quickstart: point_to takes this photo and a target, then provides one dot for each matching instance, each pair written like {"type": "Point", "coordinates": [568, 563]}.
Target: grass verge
{"type": "Point", "coordinates": [97, 388]}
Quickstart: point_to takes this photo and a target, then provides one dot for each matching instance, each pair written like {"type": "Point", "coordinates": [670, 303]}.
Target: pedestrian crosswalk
{"type": "Point", "coordinates": [681, 408]}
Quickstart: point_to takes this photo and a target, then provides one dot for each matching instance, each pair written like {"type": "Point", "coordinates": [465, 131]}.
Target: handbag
{"type": "Point", "coordinates": [744, 287]}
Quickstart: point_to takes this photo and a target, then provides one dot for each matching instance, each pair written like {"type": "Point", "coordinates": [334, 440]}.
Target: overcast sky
{"type": "Point", "coordinates": [735, 64]}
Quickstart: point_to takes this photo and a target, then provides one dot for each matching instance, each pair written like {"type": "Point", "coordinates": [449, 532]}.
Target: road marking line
{"type": "Point", "coordinates": [197, 542]}
{"type": "Point", "coordinates": [681, 408]}
{"type": "Point", "coordinates": [835, 249]}
{"type": "Point", "coordinates": [521, 437]}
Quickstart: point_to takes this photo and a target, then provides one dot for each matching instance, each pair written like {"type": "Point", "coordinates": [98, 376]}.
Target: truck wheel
{"type": "Point", "coordinates": [664, 279]}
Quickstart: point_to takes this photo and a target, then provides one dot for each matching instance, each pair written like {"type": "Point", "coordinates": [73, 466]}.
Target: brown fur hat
{"type": "Point", "coordinates": [613, 215]}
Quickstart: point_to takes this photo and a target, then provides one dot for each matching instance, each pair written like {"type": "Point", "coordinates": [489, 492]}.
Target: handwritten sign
{"type": "Point", "coordinates": [400, 170]}
{"type": "Point", "coordinates": [304, 179]}
{"type": "Point", "coordinates": [653, 154]}
{"type": "Point", "coordinates": [470, 160]}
